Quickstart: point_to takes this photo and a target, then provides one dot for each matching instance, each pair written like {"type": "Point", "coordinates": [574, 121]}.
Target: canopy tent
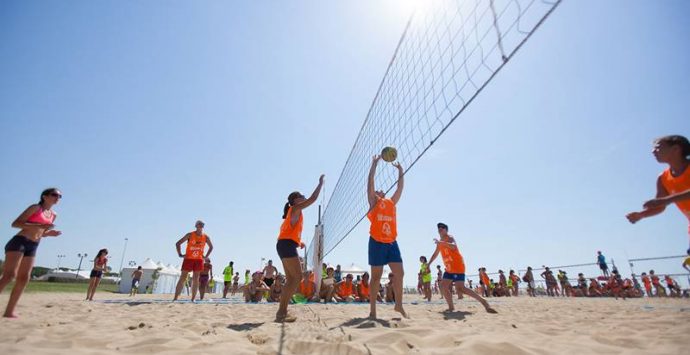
{"type": "Point", "coordinates": [69, 274]}
{"type": "Point", "coordinates": [157, 278]}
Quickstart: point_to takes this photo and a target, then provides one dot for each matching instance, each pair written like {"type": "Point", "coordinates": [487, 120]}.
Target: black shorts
{"type": "Point", "coordinates": [22, 244]}
{"type": "Point", "coordinates": [268, 282]}
{"type": "Point", "coordinates": [286, 248]}
{"type": "Point", "coordinates": [96, 273]}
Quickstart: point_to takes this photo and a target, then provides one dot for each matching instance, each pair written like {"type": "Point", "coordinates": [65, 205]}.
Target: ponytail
{"type": "Point", "coordinates": [291, 201]}
{"type": "Point", "coordinates": [286, 209]}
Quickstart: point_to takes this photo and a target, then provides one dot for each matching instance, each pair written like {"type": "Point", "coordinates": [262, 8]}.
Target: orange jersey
{"type": "Point", "coordinates": [655, 280]}
{"type": "Point", "coordinates": [345, 289]}
{"type": "Point", "coordinates": [677, 184]}
{"type": "Point", "coordinates": [669, 281]}
{"type": "Point", "coordinates": [195, 246]}
{"type": "Point", "coordinates": [383, 221]}
{"type": "Point", "coordinates": [647, 283]}
{"type": "Point", "coordinates": [363, 289]}
{"type": "Point", "coordinates": [452, 259]}
{"type": "Point", "coordinates": [288, 231]}
{"type": "Point", "coordinates": [306, 288]}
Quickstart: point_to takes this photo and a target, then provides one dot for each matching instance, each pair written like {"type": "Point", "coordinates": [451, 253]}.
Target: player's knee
{"type": "Point", "coordinates": [9, 275]}
{"type": "Point", "coordinates": [22, 278]}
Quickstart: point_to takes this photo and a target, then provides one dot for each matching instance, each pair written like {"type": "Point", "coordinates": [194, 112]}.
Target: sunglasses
{"type": "Point", "coordinates": [55, 194]}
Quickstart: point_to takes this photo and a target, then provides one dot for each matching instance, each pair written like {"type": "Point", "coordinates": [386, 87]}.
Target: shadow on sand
{"type": "Point", "coordinates": [364, 323]}
{"type": "Point", "coordinates": [243, 327]}
{"type": "Point", "coordinates": [457, 315]}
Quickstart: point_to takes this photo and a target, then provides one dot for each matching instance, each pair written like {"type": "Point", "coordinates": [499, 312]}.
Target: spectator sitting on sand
{"type": "Point", "coordinates": [254, 292]}
{"type": "Point", "coordinates": [389, 297]}
{"type": "Point", "coordinates": [276, 289]}
{"type": "Point", "coordinates": [594, 288]}
{"type": "Point", "coordinates": [327, 290]}
{"type": "Point", "coordinates": [345, 290]}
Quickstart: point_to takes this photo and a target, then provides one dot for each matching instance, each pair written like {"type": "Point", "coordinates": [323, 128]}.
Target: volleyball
{"type": "Point", "coordinates": [389, 154]}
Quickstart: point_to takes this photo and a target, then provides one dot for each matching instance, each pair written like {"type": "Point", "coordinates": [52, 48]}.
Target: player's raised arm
{"type": "Point", "coordinates": [401, 177]}
{"type": "Point", "coordinates": [371, 195]}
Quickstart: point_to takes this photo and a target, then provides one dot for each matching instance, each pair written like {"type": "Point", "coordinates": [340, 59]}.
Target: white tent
{"type": "Point", "coordinates": [164, 281]}
{"type": "Point", "coordinates": [70, 274]}
{"type": "Point", "coordinates": [358, 271]}
{"type": "Point", "coordinates": [352, 269]}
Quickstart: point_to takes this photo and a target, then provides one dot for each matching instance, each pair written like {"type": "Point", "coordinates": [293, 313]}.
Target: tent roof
{"type": "Point", "coordinates": [149, 264]}
{"type": "Point", "coordinates": [353, 268]}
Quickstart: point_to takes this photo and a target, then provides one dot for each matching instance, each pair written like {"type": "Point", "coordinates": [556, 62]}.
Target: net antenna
{"type": "Point", "coordinates": [448, 53]}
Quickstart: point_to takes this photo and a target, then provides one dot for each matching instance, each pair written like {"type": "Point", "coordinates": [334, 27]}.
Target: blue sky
{"type": "Point", "coordinates": [151, 115]}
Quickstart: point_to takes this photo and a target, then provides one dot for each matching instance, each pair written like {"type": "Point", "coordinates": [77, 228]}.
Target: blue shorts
{"type": "Point", "coordinates": [454, 277]}
{"type": "Point", "coordinates": [383, 253]}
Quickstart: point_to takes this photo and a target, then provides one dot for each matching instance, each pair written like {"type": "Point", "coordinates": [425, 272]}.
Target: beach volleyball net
{"type": "Point", "coordinates": [449, 51]}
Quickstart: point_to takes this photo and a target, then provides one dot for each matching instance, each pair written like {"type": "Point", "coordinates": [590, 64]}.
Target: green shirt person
{"type": "Point", "coordinates": [228, 272]}
{"type": "Point", "coordinates": [227, 279]}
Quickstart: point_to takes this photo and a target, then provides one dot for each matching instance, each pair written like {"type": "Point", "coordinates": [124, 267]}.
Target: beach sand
{"type": "Point", "coordinates": [53, 323]}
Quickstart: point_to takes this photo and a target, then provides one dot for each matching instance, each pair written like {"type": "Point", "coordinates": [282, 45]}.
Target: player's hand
{"type": "Point", "coordinates": [398, 166]}
{"type": "Point", "coordinates": [376, 158]}
{"type": "Point", "coordinates": [52, 233]}
{"type": "Point", "coordinates": [656, 203]}
{"type": "Point", "coordinates": [321, 179]}
{"type": "Point", "coordinates": [634, 217]}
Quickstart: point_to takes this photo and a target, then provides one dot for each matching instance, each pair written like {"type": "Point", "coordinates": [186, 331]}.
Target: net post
{"type": "Point", "coordinates": [317, 256]}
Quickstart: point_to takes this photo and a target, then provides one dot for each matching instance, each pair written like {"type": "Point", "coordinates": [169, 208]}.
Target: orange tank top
{"type": "Point", "coordinates": [674, 185]}
{"type": "Point", "coordinates": [383, 225]}
{"type": "Point", "coordinates": [485, 278]}
{"type": "Point", "coordinates": [645, 280]}
{"type": "Point", "coordinates": [306, 288]}
{"type": "Point", "coordinates": [452, 259]}
{"type": "Point", "coordinates": [195, 246]}
{"type": "Point", "coordinates": [363, 289]}
{"type": "Point", "coordinates": [290, 232]}
{"type": "Point", "coordinates": [345, 289]}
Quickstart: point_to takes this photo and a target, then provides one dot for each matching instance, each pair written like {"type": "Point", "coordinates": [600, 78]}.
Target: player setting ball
{"type": "Point", "coordinates": [389, 154]}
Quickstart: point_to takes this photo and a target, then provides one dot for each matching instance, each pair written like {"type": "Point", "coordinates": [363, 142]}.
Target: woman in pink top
{"type": "Point", "coordinates": [34, 223]}
{"type": "Point", "coordinates": [99, 267]}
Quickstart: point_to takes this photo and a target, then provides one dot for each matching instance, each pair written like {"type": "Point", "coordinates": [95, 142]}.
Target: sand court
{"type": "Point", "coordinates": [54, 323]}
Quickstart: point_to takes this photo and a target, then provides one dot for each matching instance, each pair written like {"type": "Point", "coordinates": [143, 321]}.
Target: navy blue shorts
{"type": "Point", "coordinates": [383, 253]}
{"type": "Point", "coordinates": [23, 245]}
{"type": "Point", "coordinates": [454, 277]}
{"type": "Point", "coordinates": [287, 248]}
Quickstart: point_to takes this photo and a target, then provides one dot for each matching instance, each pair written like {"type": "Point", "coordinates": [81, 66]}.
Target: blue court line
{"type": "Point", "coordinates": [239, 301]}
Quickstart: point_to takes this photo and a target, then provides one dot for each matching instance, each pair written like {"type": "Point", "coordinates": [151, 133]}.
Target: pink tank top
{"type": "Point", "coordinates": [39, 217]}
